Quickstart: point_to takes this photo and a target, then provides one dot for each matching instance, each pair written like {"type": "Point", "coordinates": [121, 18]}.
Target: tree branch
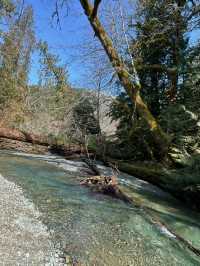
{"type": "Point", "coordinates": [159, 68]}
{"type": "Point", "coordinates": [95, 9]}
{"type": "Point", "coordinates": [131, 84]}
{"type": "Point", "coordinates": [195, 12]}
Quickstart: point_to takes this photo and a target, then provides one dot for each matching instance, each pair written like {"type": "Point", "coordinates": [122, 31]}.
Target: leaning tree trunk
{"type": "Point", "coordinates": [161, 140]}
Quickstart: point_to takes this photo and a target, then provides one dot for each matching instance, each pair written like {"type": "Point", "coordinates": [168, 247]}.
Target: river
{"type": "Point", "coordinates": [95, 229]}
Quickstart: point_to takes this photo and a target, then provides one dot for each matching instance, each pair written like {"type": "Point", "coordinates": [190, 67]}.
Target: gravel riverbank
{"type": "Point", "coordinates": [24, 239]}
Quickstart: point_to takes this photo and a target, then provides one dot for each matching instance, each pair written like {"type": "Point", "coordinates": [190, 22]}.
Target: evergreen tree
{"type": "Point", "coordinates": [84, 118]}
{"type": "Point", "coordinates": [160, 50]}
{"type": "Point", "coordinates": [166, 65]}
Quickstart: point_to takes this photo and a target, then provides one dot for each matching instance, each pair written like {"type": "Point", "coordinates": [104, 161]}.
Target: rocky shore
{"type": "Point", "coordinates": [24, 239]}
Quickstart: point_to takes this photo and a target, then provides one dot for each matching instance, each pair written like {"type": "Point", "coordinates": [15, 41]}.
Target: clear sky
{"type": "Point", "coordinates": [63, 41]}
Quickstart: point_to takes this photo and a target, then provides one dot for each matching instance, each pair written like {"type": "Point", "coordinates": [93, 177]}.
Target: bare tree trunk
{"type": "Point", "coordinates": [98, 104]}
{"type": "Point", "coordinates": [132, 88]}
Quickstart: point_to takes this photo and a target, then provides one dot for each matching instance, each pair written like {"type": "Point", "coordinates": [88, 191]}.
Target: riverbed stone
{"type": "Point", "coordinates": [24, 239]}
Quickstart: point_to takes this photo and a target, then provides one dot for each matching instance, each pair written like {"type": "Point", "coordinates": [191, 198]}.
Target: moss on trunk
{"type": "Point", "coordinates": [131, 86]}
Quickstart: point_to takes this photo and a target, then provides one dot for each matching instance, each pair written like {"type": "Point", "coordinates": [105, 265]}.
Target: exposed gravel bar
{"type": "Point", "coordinates": [24, 239]}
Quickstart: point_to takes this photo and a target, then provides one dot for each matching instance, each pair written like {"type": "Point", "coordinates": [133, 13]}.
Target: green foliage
{"type": "Point", "coordinates": [159, 50]}
{"type": "Point", "coordinates": [133, 136]}
{"type": "Point", "coordinates": [93, 144]}
{"type": "Point", "coordinates": [190, 96]}
{"type": "Point", "coordinates": [169, 73]}
{"type": "Point", "coordinates": [6, 7]}
{"type": "Point", "coordinates": [15, 53]}
{"type": "Point", "coordinates": [84, 118]}
{"type": "Point", "coordinates": [123, 110]}
{"type": "Point", "coordinates": [52, 73]}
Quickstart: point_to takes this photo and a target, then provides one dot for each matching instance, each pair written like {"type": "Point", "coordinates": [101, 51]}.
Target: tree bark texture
{"type": "Point", "coordinates": [132, 88]}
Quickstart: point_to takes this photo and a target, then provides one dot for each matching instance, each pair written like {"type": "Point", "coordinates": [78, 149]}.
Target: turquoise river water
{"type": "Point", "coordinates": [95, 229]}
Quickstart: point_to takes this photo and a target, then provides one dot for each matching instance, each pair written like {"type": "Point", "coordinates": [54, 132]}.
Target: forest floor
{"type": "Point", "coordinates": [24, 238]}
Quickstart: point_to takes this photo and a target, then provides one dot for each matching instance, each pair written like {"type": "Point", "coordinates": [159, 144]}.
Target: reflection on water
{"type": "Point", "coordinates": [95, 229]}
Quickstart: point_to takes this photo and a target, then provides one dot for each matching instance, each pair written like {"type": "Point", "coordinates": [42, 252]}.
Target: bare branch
{"type": "Point", "coordinates": [56, 14]}
{"type": "Point", "coordinates": [159, 68]}
{"type": "Point", "coordinates": [195, 12]}
{"type": "Point", "coordinates": [95, 9]}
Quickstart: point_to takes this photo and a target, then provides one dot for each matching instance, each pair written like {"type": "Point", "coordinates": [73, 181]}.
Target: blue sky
{"type": "Point", "coordinates": [62, 41]}
{"type": "Point", "coordinates": [65, 41]}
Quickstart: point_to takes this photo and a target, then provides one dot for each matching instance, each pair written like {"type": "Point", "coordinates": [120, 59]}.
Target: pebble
{"type": "Point", "coordinates": [26, 240]}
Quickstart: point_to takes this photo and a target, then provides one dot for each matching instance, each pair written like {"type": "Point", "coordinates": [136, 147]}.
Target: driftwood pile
{"type": "Point", "coordinates": [107, 185]}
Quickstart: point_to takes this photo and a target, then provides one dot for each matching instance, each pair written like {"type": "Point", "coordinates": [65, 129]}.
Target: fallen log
{"type": "Point", "coordinates": [64, 150]}
{"type": "Point", "coordinates": [15, 134]}
{"type": "Point", "coordinates": [19, 146]}
{"type": "Point", "coordinates": [170, 180]}
{"type": "Point", "coordinates": [155, 174]}
{"type": "Point", "coordinates": [91, 164]}
{"type": "Point", "coordinates": [107, 185]}
{"type": "Point", "coordinates": [155, 220]}
{"type": "Point", "coordinates": [69, 150]}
